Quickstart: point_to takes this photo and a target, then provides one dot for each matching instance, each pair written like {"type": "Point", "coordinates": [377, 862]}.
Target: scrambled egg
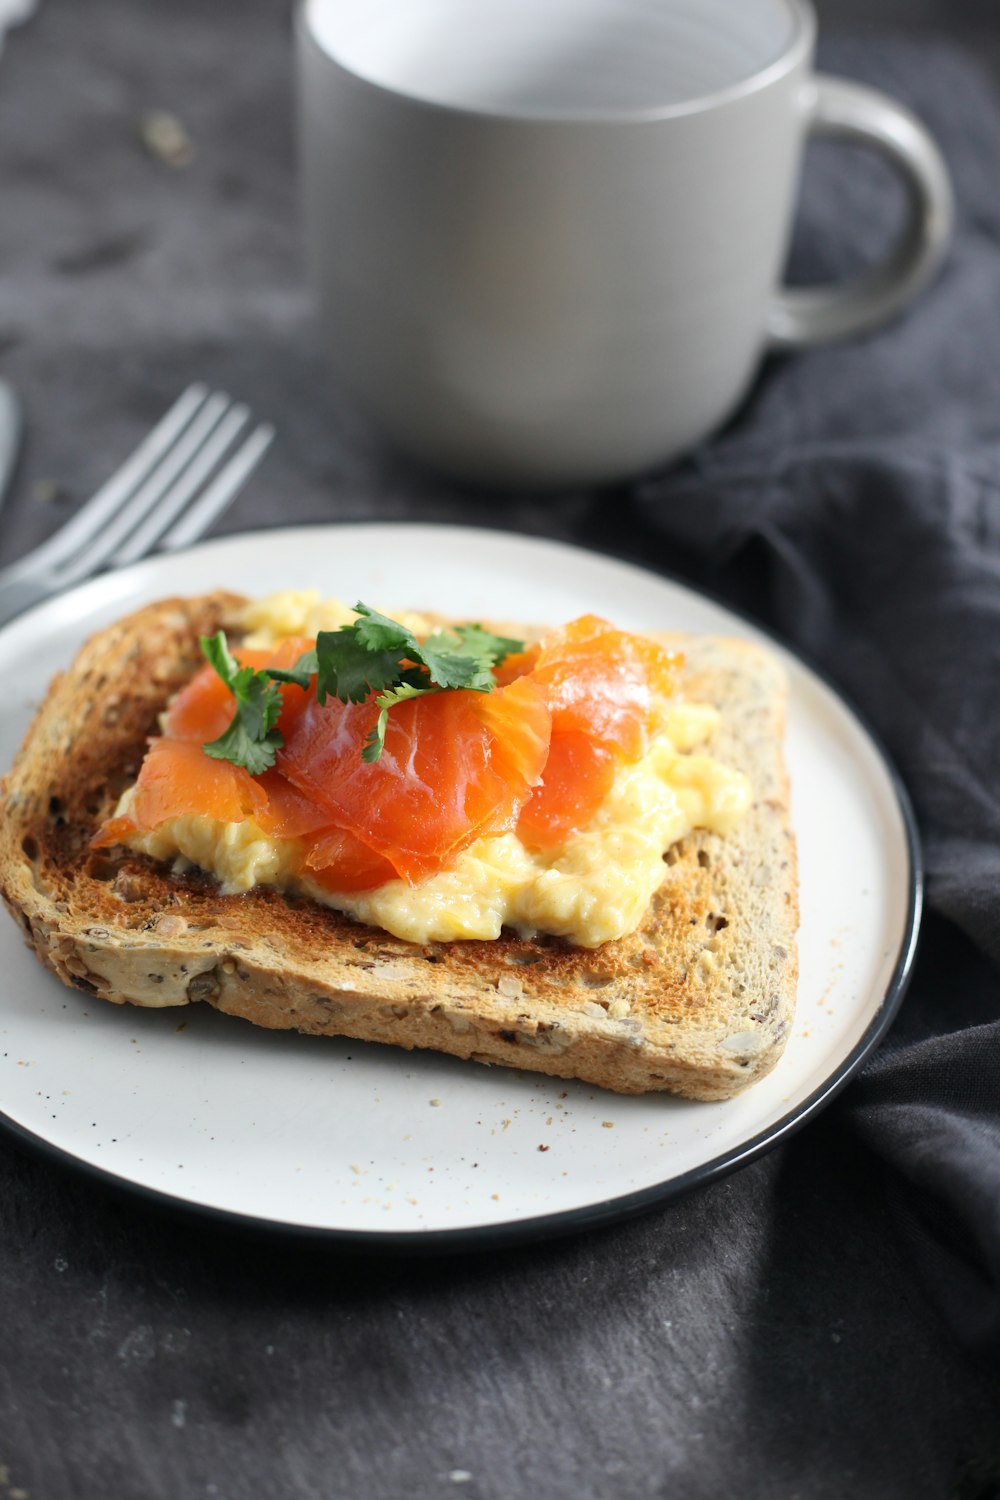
{"type": "Point", "coordinates": [595, 888]}
{"type": "Point", "coordinates": [303, 612]}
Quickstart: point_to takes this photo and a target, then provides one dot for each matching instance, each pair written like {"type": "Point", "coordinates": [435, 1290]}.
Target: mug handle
{"type": "Point", "coordinates": [846, 111]}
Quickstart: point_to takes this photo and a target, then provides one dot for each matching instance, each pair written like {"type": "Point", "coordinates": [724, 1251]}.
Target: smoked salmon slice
{"type": "Point", "coordinates": [455, 766]}
{"type": "Point", "coordinates": [177, 779]}
{"type": "Point", "coordinates": [339, 861]}
{"type": "Point", "coordinates": [601, 685]}
{"type": "Point", "coordinates": [204, 709]}
{"type": "Point", "coordinates": [578, 775]}
{"type": "Point", "coordinates": [288, 814]}
{"type": "Point", "coordinates": [539, 754]}
{"type": "Point", "coordinates": [603, 681]}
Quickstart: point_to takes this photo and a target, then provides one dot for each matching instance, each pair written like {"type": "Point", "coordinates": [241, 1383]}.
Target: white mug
{"type": "Point", "coordinates": [547, 236]}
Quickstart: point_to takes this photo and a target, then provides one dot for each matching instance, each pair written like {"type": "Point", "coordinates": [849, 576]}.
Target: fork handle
{"type": "Point", "coordinates": [11, 433]}
{"type": "Point", "coordinates": [19, 594]}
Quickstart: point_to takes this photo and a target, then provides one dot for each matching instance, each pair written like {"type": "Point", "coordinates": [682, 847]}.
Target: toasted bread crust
{"type": "Point", "coordinates": [702, 995]}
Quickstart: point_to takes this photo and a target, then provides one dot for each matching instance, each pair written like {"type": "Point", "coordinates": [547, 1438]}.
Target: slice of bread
{"type": "Point", "coordinates": [698, 1001]}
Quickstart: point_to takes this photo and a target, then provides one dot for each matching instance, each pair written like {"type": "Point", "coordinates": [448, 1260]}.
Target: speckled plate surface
{"type": "Point", "coordinates": [366, 1143]}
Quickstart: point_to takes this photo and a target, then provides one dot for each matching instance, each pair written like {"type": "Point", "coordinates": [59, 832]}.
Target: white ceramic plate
{"type": "Point", "coordinates": [357, 1140]}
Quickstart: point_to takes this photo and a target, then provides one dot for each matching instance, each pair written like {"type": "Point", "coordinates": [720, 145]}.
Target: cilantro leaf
{"type": "Point", "coordinates": [251, 739]}
{"type": "Point", "coordinates": [349, 670]}
{"type": "Point", "coordinates": [378, 633]}
{"type": "Point", "coordinates": [215, 650]}
{"type": "Point", "coordinates": [465, 657]}
{"type": "Point", "coordinates": [240, 746]}
{"type": "Point", "coordinates": [301, 674]}
{"type": "Point", "coordinates": [379, 655]}
{"type": "Point", "coordinates": [462, 657]}
{"type": "Point", "coordinates": [373, 656]}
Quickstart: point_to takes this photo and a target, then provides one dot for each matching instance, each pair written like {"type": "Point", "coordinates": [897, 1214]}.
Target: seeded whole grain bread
{"type": "Point", "coordinates": [698, 1001]}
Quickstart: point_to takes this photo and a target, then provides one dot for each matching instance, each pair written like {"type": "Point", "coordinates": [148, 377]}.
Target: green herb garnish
{"type": "Point", "coordinates": [374, 656]}
{"type": "Point", "coordinates": [251, 739]}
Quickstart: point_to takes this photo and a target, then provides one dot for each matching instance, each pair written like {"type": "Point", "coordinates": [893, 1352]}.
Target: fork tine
{"type": "Point", "coordinates": [88, 521]}
{"type": "Point", "coordinates": [149, 494]}
{"type": "Point", "coordinates": [183, 490]}
{"type": "Point", "coordinates": [223, 489]}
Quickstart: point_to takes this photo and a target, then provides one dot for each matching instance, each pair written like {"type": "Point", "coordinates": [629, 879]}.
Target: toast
{"type": "Point", "coordinates": [698, 1001]}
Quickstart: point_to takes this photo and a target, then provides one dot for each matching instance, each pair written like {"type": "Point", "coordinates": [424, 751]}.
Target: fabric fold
{"type": "Point", "coordinates": [855, 507]}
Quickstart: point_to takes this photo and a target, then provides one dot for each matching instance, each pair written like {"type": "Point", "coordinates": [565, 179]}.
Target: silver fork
{"type": "Point", "coordinates": [165, 495]}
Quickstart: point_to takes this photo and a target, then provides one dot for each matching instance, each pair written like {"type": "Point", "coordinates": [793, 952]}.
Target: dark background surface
{"type": "Point", "coordinates": [786, 1332]}
{"type": "Point", "coordinates": [971, 24]}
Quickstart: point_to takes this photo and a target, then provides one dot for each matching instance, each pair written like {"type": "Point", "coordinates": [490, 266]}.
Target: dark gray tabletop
{"type": "Point", "coordinates": [777, 1334]}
